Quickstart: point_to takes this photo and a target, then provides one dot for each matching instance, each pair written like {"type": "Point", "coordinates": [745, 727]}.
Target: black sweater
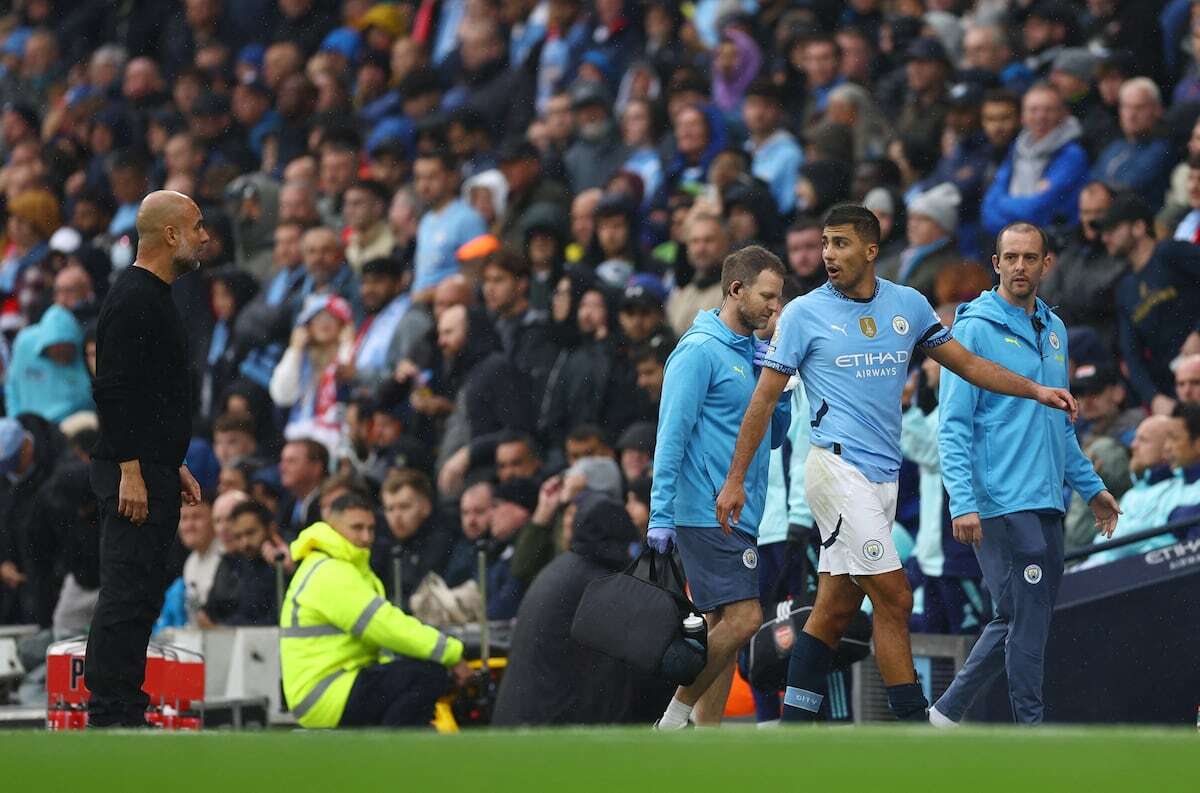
{"type": "Point", "coordinates": [142, 390]}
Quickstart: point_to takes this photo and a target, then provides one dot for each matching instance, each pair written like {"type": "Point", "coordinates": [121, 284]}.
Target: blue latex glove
{"type": "Point", "coordinates": [661, 540]}
{"type": "Point", "coordinates": [760, 351]}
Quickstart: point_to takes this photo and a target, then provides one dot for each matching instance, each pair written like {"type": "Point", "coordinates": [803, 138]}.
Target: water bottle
{"type": "Point", "coordinates": [695, 628]}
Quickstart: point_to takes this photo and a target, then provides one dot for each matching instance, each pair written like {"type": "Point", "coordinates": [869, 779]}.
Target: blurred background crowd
{"type": "Point", "coordinates": [454, 243]}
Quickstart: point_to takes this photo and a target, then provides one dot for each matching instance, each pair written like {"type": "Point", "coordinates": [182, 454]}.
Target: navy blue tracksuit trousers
{"type": "Point", "coordinates": [1022, 561]}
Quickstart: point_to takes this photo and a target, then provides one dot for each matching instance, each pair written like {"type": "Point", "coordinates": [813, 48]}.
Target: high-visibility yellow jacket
{"type": "Point", "coordinates": [335, 621]}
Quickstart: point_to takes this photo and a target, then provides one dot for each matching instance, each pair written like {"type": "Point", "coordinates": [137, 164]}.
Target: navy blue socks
{"type": "Point", "coordinates": [808, 679]}
{"type": "Point", "coordinates": [908, 702]}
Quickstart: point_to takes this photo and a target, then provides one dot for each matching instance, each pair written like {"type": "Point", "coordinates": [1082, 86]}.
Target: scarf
{"type": "Point", "coordinates": [1030, 157]}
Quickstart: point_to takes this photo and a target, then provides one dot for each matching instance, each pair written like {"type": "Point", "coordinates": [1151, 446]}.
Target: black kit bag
{"type": "Point", "coordinates": [771, 647]}
{"type": "Point", "coordinates": [636, 616]}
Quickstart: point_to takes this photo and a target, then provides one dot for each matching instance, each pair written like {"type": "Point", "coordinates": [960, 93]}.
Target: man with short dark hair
{"type": "Point", "coordinates": [1102, 411]}
{"type": "Point", "coordinates": [649, 362]}
{"type": "Point", "coordinates": [1005, 504]}
{"type": "Point", "coordinates": [709, 379]}
{"type": "Point", "coordinates": [363, 205]}
{"type": "Point", "coordinates": [1082, 283]}
{"type": "Point", "coordinates": [802, 242]}
{"type": "Point", "coordinates": [243, 588]}
{"type": "Point", "coordinates": [447, 224]}
{"type": "Point", "coordinates": [334, 623]}
{"type": "Point", "coordinates": [303, 465]}
{"type": "Point", "coordinates": [378, 345]}
{"type": "Point", "coordinates": [414, 535]}
{"type": "Point", "coordinates": [233, 438]}
{"type": "Point", "coordinates": [777, 156]}
{"type": "Point", "coordinates": [1153, 296]}
{"type": "Point", "coordinates": [516, 457]}
{"type": "Point", "coordinates": [850, 342]}
{"type": "Point", "coordinates": [821, 63]}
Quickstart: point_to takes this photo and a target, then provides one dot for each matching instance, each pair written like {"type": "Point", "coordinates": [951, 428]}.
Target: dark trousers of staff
{"type": "Point", "coordinates": [133, 579]}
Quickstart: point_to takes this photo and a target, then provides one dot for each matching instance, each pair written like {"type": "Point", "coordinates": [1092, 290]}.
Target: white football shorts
{"type": "Point", "coordinates": [854, 515]}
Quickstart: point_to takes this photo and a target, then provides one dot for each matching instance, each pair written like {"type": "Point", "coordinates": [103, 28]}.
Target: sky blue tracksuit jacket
{"type": "Point", "coordinates": [707, 386]}
{"type": "Point", "coordinates": [1002, 455]}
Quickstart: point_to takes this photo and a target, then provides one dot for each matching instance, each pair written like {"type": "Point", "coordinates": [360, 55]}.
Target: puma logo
{"type": "Point", "coordinates": [840, 328]}
{"type": "Point", "coordinates": [1011, 340]}
{"type": "Point", "coordinates": [740, 370]}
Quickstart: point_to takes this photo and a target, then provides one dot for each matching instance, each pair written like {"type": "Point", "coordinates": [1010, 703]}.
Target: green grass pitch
{"type": "Point", "coordinates": [734, 759]}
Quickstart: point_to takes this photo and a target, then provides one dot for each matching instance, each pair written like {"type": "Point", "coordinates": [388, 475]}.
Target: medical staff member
{"type": "Point", "coordinates": [1004, 461]}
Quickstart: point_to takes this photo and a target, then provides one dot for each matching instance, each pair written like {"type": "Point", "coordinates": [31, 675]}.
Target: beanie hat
{"type": "Point", "coordinates": [880, 200]}
{"type": "Point", "coordinates": [520, 491]}
{"type": "Point", "coordinates": [939, 204]}
{"type": "Point", "coordinates": [1077, 62]}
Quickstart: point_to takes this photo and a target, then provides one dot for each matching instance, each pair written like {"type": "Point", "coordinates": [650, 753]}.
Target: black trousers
{"type": "Point", "coordinates": [397, 694]}
{"type": "Point", "coordinates": [133, 578]}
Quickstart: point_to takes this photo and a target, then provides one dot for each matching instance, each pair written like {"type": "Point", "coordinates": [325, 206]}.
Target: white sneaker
{"type": "Point", "coordinates": [658, 726]}
{"type": "Point", "coordinates": [941, 720]}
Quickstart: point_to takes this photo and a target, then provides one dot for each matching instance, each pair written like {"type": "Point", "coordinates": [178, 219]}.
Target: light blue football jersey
{"type": "Point", "coordinates": [853, 356]}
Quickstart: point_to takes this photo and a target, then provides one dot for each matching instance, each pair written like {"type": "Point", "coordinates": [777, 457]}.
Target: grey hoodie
{"type": "Point", "coordinates": [1031, 157]}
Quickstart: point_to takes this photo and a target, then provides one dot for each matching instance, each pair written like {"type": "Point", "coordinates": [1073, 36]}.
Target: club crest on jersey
{"type": "Point", "coordinates": [873, 550]}
{"type": "Point", "coordinates": [750, 558]}
{"type": "Point", "coordinates": [1033, 574]}
{"type": "Point", "coordinates": [1054, 342]}
{"type": "Point", "coordinates": [867, 326]}
{"type": "Point", "coordinates": [900, 325]}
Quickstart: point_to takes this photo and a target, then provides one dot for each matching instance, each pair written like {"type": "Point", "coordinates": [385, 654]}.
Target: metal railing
{"type": "Point", "coordinates": [1132, 539]}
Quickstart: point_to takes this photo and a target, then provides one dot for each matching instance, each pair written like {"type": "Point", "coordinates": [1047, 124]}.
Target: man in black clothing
{"type": "Point", "coordinates": [143, 399]}
{"type": "Point", "coordinates": [414, 534]}
{"type": "Point", "coordinates": [551, 679]}
{"type": "Point", "coordinates": [1082, 284]}
{"type": "Point", "coordinates": [1156, 298]}
{"type": "Point", "coordinates": [31, 449]}
{"type": "Point", "coordinates": [243, 590]}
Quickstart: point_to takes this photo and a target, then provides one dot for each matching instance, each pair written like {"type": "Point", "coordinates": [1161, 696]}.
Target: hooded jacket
{"type": "Point", "coordinates": [551, 679]}
{"type": "Point", "coordinates": [36, 384]}
{"type": "Point", "coordinates": [1001, 454]}
{"type": "Point", "coordinates": [707, 385]}
{"type": "Point", "coordinates": [335, 621]}
{"type": "Point", "coordinates": [1039, 182]}
{"type": "Point", "coordinates": [20, 522]}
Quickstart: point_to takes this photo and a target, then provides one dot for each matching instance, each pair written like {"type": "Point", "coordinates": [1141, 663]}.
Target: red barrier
{"type": "Point", "coordinates": [174, 682]}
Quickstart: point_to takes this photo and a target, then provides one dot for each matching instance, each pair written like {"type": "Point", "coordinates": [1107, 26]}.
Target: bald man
{"type": "Point", "coordinates": [1187, 378]}
{"type": "Point", "coordinates": [143, 399]}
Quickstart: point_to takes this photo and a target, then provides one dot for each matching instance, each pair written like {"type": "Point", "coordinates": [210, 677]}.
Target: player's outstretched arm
{"type": "Point", "coordinates": [992, 376]}
{"type": "Point", "coordinates": [754, 425]}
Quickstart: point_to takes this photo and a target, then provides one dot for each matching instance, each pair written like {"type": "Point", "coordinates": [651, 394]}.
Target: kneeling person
{"type": "Point", "coordinates": [335, 627]}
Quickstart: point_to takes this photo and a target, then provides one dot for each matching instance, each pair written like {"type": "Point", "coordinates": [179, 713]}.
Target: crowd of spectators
{"type": "Point", "coordinates": [453, 243]}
